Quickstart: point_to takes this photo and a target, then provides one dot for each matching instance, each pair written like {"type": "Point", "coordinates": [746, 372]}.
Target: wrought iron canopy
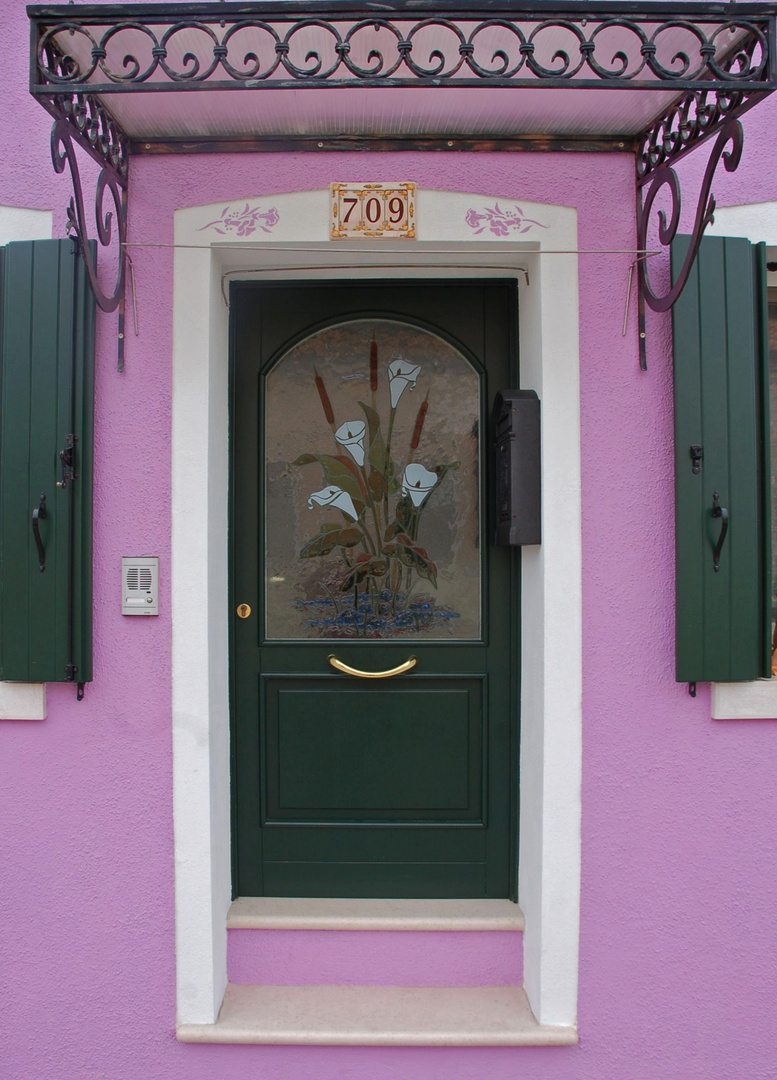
{"type": "Point", "coordinates": [161, 69]}
{"type": "Point", "coordinates": [656, 78]}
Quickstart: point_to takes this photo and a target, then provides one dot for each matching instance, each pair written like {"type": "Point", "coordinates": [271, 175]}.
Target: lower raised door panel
{"type": "Point", "coordinates": [341, 752]}
{"type": "Point", "coordinates": [374, 795]}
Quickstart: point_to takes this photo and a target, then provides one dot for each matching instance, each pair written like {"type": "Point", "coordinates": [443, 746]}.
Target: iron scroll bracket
{"type": "Point", "coordinates": [81, 120]}
{"type": "Point", "coordinates": [700, 117]}
{"type": "Point", "coordinates": [730, 136]}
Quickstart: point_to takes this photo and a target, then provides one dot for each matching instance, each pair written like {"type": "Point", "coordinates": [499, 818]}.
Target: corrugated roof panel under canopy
{"type": "Point", "coordinates": [396, 113]}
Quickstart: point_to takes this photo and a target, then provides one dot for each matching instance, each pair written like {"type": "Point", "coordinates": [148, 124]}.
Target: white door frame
{"type": "Point", "coordinates": [293, 243]}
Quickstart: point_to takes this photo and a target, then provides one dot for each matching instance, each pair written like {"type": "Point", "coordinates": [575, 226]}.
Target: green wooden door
{"type": "Point", "coordinates": [361, 535]}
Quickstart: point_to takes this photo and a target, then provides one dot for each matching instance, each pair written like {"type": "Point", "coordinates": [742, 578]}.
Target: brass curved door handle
{"type": "Point", "coordinates": [338, 665]}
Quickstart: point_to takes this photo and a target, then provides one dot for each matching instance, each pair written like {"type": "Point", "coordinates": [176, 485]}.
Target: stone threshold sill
{"type": "Point", "coordinates": [294, 913]}
{"type": "Point", "coordinates": [377, 1016]}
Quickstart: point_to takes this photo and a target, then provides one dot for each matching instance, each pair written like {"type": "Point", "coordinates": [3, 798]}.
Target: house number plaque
{"type": "Point", "coordinates": [372, 211]}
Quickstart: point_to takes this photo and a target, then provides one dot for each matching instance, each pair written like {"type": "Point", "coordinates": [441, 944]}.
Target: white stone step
{"type": "Point", "coordinates": [334, 942]}
{"type": "Point", "coordinates": [299, 913]}
{"type": "Point", "coordinates": [377, 1016]}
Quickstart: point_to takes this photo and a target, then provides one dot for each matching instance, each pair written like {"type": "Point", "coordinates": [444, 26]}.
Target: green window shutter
{"type": "Point", "coordinates": [721, 405]}
{"type": "Point", "coordinates": [46, 398]}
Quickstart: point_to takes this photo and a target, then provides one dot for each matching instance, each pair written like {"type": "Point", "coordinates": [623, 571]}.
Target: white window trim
{"type": "Point", "coordinates": [551, 706]}
{"type": "Point", "coordinates": [23, 701]}
{"type": "Point", "coordinates": [19, 223]}
{"type": "Point", "coordinates": [745, 701]}
{"type": "Point", "coordinates": [757, 700]}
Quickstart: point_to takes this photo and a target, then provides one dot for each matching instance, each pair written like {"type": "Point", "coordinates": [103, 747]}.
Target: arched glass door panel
{"type": "Point", "coordinates": [372, 463]}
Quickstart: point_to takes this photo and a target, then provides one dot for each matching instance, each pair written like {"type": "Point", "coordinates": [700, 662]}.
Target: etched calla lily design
{"type": "Point", "coordinates": [351, 436]}
{"type": "Point", "coordinates": [381, 590]}
{"type": "Point", "coordinates": [417, 483]}
{"type": "Point", "coordinates": [334, 496]}
{"type": "Point", "coordinates": [401, 375]}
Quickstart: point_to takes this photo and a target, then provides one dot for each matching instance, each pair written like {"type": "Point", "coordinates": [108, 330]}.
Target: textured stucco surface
{"type": "Point", "coordinates": [26, 176]}
{"type": "Point", "coordinates": [678, 973]}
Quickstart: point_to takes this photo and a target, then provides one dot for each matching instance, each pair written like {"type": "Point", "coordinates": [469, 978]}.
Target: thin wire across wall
{"type": "Point", "coordinates": [361, 250]}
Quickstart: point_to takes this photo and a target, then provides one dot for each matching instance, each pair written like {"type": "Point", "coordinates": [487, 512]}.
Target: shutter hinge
{"type": "Point", "coordinates": [67, 457]}
{"type": "Point", "coordinates": [697, 453]}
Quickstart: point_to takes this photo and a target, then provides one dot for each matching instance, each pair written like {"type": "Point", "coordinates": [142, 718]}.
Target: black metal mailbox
{"type": "Point", "coordinates": [517, 449]}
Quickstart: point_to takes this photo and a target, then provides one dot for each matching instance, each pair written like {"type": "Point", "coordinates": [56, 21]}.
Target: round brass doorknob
{"type": "Point", "coordinates": [243, 611]}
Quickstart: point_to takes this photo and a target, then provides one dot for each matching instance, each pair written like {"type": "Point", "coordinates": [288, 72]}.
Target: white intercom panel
{"type": "Point", "coordinates": [140, 586]}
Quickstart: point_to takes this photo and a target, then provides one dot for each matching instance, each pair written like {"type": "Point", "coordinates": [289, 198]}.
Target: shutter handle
{"type": "Point", "coordinates": [39, 514]}
{"type": "Point", "coordinates": [721, 512]}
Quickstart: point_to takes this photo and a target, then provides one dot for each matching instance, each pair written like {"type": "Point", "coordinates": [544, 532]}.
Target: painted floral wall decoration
{"type": "Point", "coordinates": [371, 510]}
{"type": "Point", "coordinates": [500, 221]}
{"type": "Point", "coordinates": [243, 222]}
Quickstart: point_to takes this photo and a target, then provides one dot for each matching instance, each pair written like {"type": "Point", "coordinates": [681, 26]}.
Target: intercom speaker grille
{"type": "Point", "coordinates": [139, 578]}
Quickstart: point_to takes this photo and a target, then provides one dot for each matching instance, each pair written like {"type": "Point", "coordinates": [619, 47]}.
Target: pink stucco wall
{"type": "Point", "coordinates": [678, 973]}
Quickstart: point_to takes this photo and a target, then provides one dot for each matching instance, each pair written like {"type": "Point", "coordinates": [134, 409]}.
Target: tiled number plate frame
{"type": "Point", "coordinates": [372, 211]}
